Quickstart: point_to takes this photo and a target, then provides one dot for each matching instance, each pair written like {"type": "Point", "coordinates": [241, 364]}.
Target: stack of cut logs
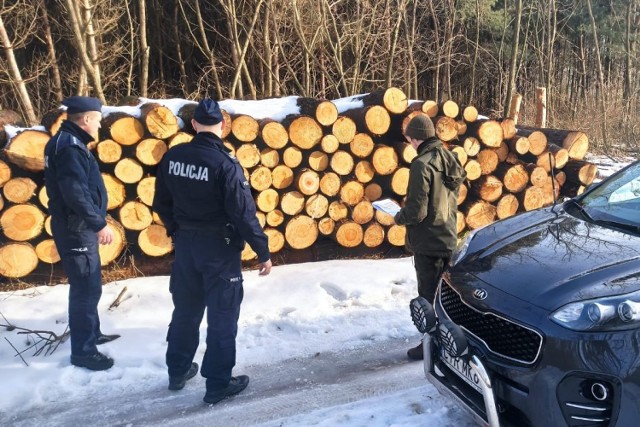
{"type": "Point", "coordinates": [314, 174]}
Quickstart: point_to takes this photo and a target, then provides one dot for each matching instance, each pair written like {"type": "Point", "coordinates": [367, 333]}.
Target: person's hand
{"type": "Point", "coordinates": [265, 268]}
{"type": "Point", "coordinates": [105, 236]}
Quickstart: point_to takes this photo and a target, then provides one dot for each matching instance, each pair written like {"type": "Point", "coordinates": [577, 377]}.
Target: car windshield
{"type": "Point", "coordinates": [616, 200]}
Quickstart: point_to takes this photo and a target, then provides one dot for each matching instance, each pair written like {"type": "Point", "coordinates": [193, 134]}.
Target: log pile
{"type": "Point", "coordinates": [314, 175]}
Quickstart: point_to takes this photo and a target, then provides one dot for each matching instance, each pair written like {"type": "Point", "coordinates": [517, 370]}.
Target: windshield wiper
{"type": "Point", "coordinates": [619, 225]}
{"type": "Point", "coordinates": [581, 208]}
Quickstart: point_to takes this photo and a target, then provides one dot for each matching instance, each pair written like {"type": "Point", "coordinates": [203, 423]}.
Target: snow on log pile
{"type": "Point", "coordinates": [315, 167]}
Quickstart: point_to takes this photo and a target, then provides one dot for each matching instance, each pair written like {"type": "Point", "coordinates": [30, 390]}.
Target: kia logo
{"type": "Point", "coordinates": [479, 294]}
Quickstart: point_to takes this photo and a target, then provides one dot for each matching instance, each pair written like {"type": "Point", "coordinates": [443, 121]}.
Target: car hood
{"type": "Point", "coordinates": [552, 258]}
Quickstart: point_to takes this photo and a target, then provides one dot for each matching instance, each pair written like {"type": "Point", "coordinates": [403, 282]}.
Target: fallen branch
{"type": "Point", "coordinates": [17, 352]}
{"type": "Point", "coordinates": [118, 300]}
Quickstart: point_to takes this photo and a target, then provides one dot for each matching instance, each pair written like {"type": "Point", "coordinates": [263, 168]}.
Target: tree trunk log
{"type": "Point", "coordinates": [146, 189]}
{"type": "Point", "coordinates": [373, 235]}
{"type": "Point", "coordinates": [19, 190]}
{"type": "Point", "coordinates": [316, 206]}
{"type": "Point", "coordinates": [384, 160]}
{"type": "Point", "coordinates": [124, 129]}
{"type": "Point", "coordinates": [108, 151]}
{"type": "Point", "coordinates": [393, 99]}
{"type": "Point", "coordinates": [352, 192]}
{"type": "Point", "coordinates": [292, 203]}
{"type": "Point", "coordinates": [301, 232]}
{"type": "Point", "coordinates": [305, 132]}
{"type": "Point", "coordinates": [478, 214]}
{"type": "Point", "coordinates": [507, 206]}
{"type": "Point", "coordinates": [135, 215]}
{"type": "Point", "coordinates": [274, 134]}
{"type": "Point", "coordinates": [26, 150]}
{"type": "Point", "coordinates": [150, 151]}
{"type": "Point", "coordinates": [400, 181]}
{"type": "Point", "coordinates": [22, 222]}
{"type": "Point", "coordinates": [361, 145]}
{"type": "Point", "coordinates": [488, 132]}
{"type": "Point", "coordinates": [341, 162]}
{"type": "Point", "coordinates": [487, 188]}
{"type": "Point", "coordinates": [159, 120]}
{"type": "Point", "coordinates": [318, 161]}
{"type": "Point", "coordinates": [154, 241]}
{"type": "Point", "coordinates": [330, 184]}
{"type": "Point", "coordinates": [116, 192]}
{"type": "Point", "coordinates": [514, 177]}
{"type": "Point", "coordinates": [17, 260]}
{"type": "Point", "coordinates": [349, 234]}
{"type": "Point", "coordinates": [260, 178]}
{"type": "Point", "coordinates": [47, 252]}
{"type": "Point", "coordinates": [580, 172]}
{"type": "Point", "coordinates": [128, 171]}
{"type": "Point", "coordinates": [344, 129]}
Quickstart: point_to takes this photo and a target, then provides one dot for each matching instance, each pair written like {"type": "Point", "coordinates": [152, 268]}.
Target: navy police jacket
{"type": "Point", "coordinates": [200, 186]}
{"type": "Point", "coordinates": [76, 191]}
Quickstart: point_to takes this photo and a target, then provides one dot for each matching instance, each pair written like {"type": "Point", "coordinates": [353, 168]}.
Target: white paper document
{"type": "Point", "coordinates": [387, 205]}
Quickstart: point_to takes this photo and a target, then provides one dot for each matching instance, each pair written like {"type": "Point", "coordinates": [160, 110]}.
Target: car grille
{"type": "Point", "coordinates": [502, 337]}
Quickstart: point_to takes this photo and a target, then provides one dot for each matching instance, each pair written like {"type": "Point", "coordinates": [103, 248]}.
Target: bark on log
{"type": "Point", "coordinates": [393, 99]}
{"type": "Point", "coordinates": [374, 120]}
{"type": "Point", "coordinates": [52, 120]}
{"type": "Point", "coordinates": [26, 150]}
{"type": "Point", "coordinates": [580, 172]}
{"type": "Point", "coordinates": [537, 140]}
{"type": "Point", "coordinates": [406, 152]}
{"type": "Point", "coordinates": [124, 129]}
{"type": "Point", "coordinates": [519, 145]}
{"type": "Point", "coordinates": [575, 142]}
{"type": "Point", "coordinates": [325, 112]}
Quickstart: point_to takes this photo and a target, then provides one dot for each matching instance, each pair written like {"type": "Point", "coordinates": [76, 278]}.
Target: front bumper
{"type": "Point", "coordinates": [487, 415]}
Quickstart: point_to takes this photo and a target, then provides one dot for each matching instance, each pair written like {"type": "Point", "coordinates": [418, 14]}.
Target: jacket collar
{"type": "Point", "coordinates": [75, 130]}
{"type": "Point", "coordinates": [208, 138]}
{"type": "Point", "coordinates": [429, 144]}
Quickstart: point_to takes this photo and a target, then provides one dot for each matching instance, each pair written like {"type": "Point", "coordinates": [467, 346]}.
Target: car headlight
{"type": "Point", "coordinates": [603, 314]}
{"type": "Point", "coordinates": [463, 246]}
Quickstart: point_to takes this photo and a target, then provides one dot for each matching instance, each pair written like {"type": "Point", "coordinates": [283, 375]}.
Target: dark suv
{"type": "Point", "coordinates": [537, 320]}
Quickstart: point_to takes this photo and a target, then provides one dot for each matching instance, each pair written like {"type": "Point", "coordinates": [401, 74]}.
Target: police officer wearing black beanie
{"type": "Point", "coordinates": [205, 202]}
{"type": "Point", "coordinates": [78, 208]}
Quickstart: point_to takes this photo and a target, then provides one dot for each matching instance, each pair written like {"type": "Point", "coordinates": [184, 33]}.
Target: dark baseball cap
{"type": "Point", "coordinates": [208, 112]}
{"type": "Point", "coordinates": [82, 104]}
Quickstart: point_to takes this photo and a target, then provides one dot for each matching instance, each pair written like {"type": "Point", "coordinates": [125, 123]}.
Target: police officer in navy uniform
{"type": "Point", "coordinates": [205, 202]}
{"type": "Point", "coordinates": [78, 208]}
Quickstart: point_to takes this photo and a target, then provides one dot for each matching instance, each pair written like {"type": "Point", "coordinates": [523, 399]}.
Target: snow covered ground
{"type": "Point", "coordinates": [324, 344]}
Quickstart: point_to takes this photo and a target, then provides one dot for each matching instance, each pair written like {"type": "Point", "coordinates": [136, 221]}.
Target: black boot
{"type": "Point", "coordinates": [235, 386]}
{"type": "Point", "coordinates": [103, 339]}
{"type": "Point", "coordinates": [94, 362]}
{"type": "Point", "coordinates": [416, 353]}
{"type": "Point", "coordinates": [178, 382]}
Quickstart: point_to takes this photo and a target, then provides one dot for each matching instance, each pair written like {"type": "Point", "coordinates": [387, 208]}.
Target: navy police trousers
{"type": "Point", "coordinates": [206, 273]}
{"type": "Point", "coordinates": [81, 263]}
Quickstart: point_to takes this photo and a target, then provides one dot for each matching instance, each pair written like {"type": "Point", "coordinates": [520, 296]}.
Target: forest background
{"type": "Point", "coordinates": [475, 52]}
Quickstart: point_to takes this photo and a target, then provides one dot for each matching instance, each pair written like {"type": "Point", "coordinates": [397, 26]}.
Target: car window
{"type": "Point", "coordinates": [617, 198]}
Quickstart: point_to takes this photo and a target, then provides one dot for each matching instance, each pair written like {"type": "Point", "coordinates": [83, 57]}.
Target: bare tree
{"type": "Point", "coordinates": [14, 72]}
{"type": "Point", "coordinates": [514, 57]}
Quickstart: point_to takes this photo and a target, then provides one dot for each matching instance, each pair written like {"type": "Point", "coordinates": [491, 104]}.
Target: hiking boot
{"type": "Point", "coordinates": [103, 339]}
{"type": "Point", "coordinates": [235, 386]}
{"type": "Point", "coordinates": [178, 382]}
{"type": "Point", "coordinates": [94, 362]}
{"type": "Point", "coordinates": [416, 353]}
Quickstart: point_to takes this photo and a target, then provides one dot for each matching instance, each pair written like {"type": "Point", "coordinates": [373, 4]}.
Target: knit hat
{"type": "Point", "coordinates": [208, 113]}
{"type": "Point", "coordinates": [420, 127]}
{"type": "Point", "coordinates": [82, 104]}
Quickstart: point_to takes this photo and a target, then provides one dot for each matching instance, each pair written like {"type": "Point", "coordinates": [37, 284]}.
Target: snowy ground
{"type": "Point", "coordinates": [324, 344]}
